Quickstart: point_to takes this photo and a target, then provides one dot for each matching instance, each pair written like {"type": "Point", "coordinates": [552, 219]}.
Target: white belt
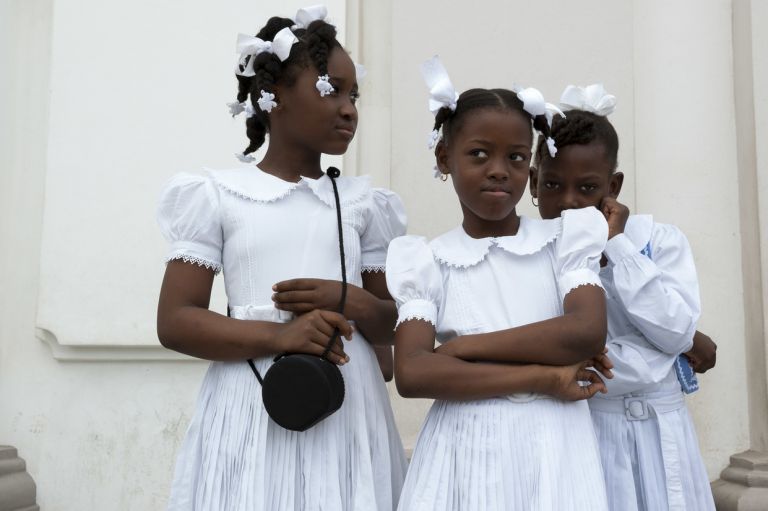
{"type": "Point", "coordinates": [638, 407]}
{"type": "Point", "coordinates": [261, 313]}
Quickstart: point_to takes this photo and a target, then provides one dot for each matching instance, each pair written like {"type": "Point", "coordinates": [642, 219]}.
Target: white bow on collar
{"type": "Point", "coordinates": [592, 98]}
{"type": "Point", "coordinates": [249, 46]}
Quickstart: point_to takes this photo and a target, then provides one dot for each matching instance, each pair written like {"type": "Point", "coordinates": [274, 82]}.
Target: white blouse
{"type": "Point", "coordinates": [652, 298]}
{"type": "Point", "coordinates": [465, 285]}
{"type": "Point", "coordinates": [235, 220]}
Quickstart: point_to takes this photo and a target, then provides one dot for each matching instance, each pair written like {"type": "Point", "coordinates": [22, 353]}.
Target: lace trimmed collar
{"type": "Point", "coordinates": [253, 184]}
{"type": "Point", "coordinates": [639, 229]}
{"type": "Point", "coordinates": [458, 249]}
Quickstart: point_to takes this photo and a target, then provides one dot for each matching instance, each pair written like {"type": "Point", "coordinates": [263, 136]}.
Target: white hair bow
{"type": "Point", "coordinates": [249, 46]}
{"type": "Point", "coordinates": [593, 98]}
{"type": "Point", "coordinates": [307, 15]}
{"type": "Point", "coordinates": [534, 104]}
{"type": "Point", "coordinates": [441, 91]}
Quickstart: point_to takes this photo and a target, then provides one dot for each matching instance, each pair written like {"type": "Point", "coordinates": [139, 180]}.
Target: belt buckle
{"type": "Point", "coordinates": [636, 408]}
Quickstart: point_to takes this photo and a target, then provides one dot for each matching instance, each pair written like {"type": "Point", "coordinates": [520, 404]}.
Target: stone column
{"type": "Point", "coordinates": [743, 485]}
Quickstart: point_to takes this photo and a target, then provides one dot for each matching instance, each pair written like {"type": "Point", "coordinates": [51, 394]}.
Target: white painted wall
{"type": "Point", "coordinates": [100, 102]}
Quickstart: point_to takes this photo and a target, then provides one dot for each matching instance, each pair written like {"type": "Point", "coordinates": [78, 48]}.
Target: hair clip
{"type": "Point", "coordinates": [434, 138]}
{"type": "Point", "coordinates": [266, 102]}
{"type": "Point", "coordinates": [551, 146]}
{"type": "Point", "coordinates": [236, 108]}
{"type": "Point", "coordinates": [245, 158]}
{"type": "Point", "coordinates": [323, 86]}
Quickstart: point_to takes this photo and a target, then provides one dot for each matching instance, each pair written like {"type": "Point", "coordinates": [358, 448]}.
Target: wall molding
{"type": "Point", "coordinates": [109, 353]}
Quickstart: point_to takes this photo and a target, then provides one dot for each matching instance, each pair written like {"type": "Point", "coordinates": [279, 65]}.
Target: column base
{"type": "Point", "coordinates": [743, 485]}
{"type": "Point", "coordinates": [17, 489]}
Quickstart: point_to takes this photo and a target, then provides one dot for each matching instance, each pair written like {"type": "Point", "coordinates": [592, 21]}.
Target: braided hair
{"type": "Point", "coordinates": [314, 47]}
{"type": "Point", "coordinates": [582, 128]}
{"type": "Point", "coordinates": [473, 99]}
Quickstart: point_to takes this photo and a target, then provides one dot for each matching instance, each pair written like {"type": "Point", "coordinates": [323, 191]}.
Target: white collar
{"type": "Point", "coordinates": [639, 229]}
{"type": "Point", "coordinates": [254, 184]}
{"type": "Point", "coordinates": [458, 249]}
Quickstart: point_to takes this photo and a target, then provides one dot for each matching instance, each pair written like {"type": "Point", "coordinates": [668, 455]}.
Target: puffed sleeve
{"type": "Point", "coordinates": [579, 247]}
{"type": "Point", "coordinates": [189, 220]}
{"type": "Point", "coordinates": [660, 293]}
{"type": "Point", "coordinates": [386, 221]}
{"type": "Point", "coordinates": [414, 279]}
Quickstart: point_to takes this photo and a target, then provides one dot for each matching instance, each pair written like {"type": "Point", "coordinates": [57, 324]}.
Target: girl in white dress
{"type": "Point", "coordinates": [648, 445]}
{"type": "Point", "coordinates": [272, 229]}
{"type": "Point", "coordinates": [517, 306]}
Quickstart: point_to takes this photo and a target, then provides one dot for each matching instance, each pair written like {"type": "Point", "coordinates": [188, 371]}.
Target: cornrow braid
{"type": "Point", "coordinates": [474, 99]}
{"type": "Point", "coordinates": [313, 48]}
{"type": "Point", "coordinates": [581, 128]}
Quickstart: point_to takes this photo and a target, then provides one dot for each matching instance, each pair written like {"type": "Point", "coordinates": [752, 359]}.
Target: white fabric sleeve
{"type": "Point", "coordinates": [660, 294]}
{"type": "Point", "coordinates": [637, 364]}
{"type": "Point", "coordinates": [387, 220]}
{"type": "Point", "coordinates": [188, 215]}
{"type": "Point", "coordinates": [414, 279]}
{"type": "Point", "coordinates": [579, 247]}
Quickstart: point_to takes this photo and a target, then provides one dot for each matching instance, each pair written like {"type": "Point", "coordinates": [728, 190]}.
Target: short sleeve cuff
{"type": "Point", "coordinates": [195, 253]}
{"type": "Point", "coordinates": [374, 262]}
{"type": "Point", "coordinates": [575, 278]}
{"type": "Point", "coordinates": [619, 247]}
{"type": "Point", "coordinates": [417, 309]}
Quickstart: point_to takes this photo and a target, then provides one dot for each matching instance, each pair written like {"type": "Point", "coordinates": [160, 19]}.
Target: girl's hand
{"type": "Point", "coordinates": [616, 214]}
{"type": "Point", "coordinates": [304, 295]}
{"type": "Point", "coordinates": [566, 382]}
{"type": "Point", "coordinates": [310, 333]}
{"type": "Point", "coordinates": [703, 355]}
{"type": "Point", "coordinates": [449, 348]}
{"type": "Point", "coordinates": [602, 364]}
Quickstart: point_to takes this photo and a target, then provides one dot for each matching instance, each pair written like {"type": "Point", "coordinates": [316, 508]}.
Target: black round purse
{"type": "Point", "coordinates": [300, 390]}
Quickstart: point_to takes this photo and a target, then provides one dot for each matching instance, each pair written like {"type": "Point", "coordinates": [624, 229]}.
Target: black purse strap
{"type": "Point", "coordinates": [332, 173]}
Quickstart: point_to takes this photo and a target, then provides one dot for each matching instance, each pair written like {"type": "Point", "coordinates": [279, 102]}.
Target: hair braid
{"type": "Point", "coordinates": [581, 128]}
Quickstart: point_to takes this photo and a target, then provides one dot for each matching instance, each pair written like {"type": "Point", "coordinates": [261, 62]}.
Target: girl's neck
{"type": "Point", "coordinates": [480, 228]}
{"type": "Point", "coordinates": [291, 163]}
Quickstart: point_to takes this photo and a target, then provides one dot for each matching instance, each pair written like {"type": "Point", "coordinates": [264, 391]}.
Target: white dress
{"type": "Point", "coordinates": [517, 452]}
{"type": "Point", "coordinates": [647, 440]}
{"type": "Point", "coordinates": [261, 230]}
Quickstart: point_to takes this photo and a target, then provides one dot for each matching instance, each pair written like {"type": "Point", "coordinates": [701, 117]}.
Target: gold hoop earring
{"type": "Point", "coordinates": [532, 202]}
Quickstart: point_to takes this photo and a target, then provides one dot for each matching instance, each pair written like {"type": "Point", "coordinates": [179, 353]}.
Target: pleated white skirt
{"type": "Point", "coordinates": [652, 464]}
{"type": "Point", "coordinates": [500, 455]}
{"type": "Point", "coordinates": [235, 458]}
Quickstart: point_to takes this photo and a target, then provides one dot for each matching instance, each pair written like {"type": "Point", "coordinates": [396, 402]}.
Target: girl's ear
{"type": "Point", "coordinates": [614, 188]}
{"type": "Point", "coordinates": [533, 182]}
{"type": "Point", "coordinates": [441, 158]}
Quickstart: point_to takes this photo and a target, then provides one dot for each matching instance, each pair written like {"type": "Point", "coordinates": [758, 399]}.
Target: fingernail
{"type": "Point", "coordinates": [274, 287]}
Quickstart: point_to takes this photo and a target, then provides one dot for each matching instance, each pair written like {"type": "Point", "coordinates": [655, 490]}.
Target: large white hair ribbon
{"type": "Point", "coordinates": [441, 91]}
{"type": "Point", "coordinates": [593, 98]}
{"type": "Point", "coordinates": [249, 46]}
{"type": "Point", "coordinates": [307, 15]}
{"type": "Point", "coordinates": [442, 94]}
